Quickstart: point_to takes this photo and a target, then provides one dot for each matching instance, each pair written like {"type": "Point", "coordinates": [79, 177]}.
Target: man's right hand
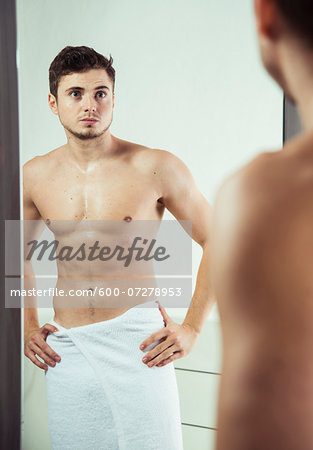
{"type": "Point", "coordinates": [35, 344]}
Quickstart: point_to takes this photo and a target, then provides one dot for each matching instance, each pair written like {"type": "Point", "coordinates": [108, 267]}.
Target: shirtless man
{"type": "Point", "coordinates": [98, 177]}
{"type": "Point", "coordinates": [263, 255]}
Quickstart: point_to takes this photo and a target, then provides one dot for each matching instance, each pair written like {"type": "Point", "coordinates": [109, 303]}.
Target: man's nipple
{"type": "Point", "coordinates": [128, 219]}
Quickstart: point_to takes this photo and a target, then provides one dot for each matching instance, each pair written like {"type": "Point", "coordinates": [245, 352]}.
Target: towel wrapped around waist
{"type": "Point", "coordinates": [101, 396]}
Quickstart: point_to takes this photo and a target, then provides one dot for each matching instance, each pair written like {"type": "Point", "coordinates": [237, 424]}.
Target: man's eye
{"type": "Point", "coordinates": [101, 94]}
{"type": "Point", "coordinates": [74, 92]}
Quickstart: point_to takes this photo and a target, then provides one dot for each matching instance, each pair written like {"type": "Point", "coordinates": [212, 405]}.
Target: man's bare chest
{"type": "Point", "coordinates": [96, 196]}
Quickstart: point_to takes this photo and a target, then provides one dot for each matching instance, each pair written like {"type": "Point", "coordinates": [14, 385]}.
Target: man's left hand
{"type": "Point", "coordinates": [176, 341]}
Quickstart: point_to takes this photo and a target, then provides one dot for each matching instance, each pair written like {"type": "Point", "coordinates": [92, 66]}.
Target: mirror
{"type": "Point", "coordinates": [189, 81]}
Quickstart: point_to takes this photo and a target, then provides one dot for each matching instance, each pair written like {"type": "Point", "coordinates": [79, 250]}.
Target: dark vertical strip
{"type": "Point", "coordinates": [10, 319]}
{"type": "Point", "coordinates": [292, 123]}
{"type": "Point", "coordinates": [284, 119]}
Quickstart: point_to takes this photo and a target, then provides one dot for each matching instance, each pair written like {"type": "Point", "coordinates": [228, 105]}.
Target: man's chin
{"type": "Point", "coordinates": [88, 134]}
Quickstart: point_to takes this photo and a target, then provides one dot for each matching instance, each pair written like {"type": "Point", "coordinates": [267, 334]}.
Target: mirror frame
{"type": "Point", "coordinates": [10, 318]}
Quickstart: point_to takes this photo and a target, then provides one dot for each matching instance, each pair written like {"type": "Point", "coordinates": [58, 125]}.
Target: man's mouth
{"type": "Point", "coordinates": [89, 121]}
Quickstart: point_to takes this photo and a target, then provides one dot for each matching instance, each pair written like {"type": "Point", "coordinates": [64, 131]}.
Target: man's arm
{"type": "Point", "coordinates": [32, 230]}
{"type": "Point", "coordinates": [182, 198]}
{"type": "Point", "coordinates": [34, 336]}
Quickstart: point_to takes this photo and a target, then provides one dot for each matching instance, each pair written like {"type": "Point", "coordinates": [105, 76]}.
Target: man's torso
{"type": "Point", "coordinates": [100, 204]}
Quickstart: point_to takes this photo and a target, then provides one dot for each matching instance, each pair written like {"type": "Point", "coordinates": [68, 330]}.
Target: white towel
{"type": "Point", "coordinates": [101, 396]}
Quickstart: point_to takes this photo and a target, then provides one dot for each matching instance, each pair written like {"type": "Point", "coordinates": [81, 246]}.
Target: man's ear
{"type": "Point", "coordinates": [266, 15]}
{"type": "Point", "coordinates": [113, 100]}
{"type": "Point", "coordinates": [53, 103]}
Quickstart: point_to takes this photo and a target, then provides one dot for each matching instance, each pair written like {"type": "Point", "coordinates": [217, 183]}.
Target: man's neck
{"type": "Point", "coordinates": [85, 154]}
{"type": "Point", "coordinates": [298, 71]}
{"type": "Point", "coordinates": [304, 102]}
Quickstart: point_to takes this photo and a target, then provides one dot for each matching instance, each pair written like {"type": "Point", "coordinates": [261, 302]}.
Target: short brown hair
{"type": "Point", "coordinates": [299, 14]}
{"type": "Point", "coordinates": [77, 59]}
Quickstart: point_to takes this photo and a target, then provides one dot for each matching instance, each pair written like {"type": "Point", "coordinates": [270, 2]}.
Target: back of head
{"type": "Point", "coordinates": [299, 15]}
{"type": "Point", "coordinates": [77, 59]}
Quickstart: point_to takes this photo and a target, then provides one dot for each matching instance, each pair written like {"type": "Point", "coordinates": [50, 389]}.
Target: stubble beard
{"type": "Point", "coordinates": [90, 135]}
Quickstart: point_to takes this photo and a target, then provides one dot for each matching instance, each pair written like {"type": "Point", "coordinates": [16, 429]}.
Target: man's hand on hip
{"type": "Point", "coordinates": [176, 341]}
{"type": "Point", "coordinates": [35, 344]}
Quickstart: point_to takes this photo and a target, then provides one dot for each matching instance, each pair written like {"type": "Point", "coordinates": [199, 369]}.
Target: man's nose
{"type": "Point", "coordinates": [89, 103]}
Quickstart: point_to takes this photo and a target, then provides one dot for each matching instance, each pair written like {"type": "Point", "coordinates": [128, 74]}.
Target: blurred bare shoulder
{"type": "Point", "coordinates": [276, 184]}
{"type": "Point", "coordinates": [248, 190]}
{"type": "Point", "coordinates": [262, 224]}
{"type": "Point", "coordinates": [244, 214]}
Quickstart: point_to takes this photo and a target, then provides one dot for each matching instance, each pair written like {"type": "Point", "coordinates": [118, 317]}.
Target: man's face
{"type": "Point", "coordinates": [82, 96]}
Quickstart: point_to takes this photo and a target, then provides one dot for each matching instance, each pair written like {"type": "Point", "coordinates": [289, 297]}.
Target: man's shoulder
{"type": "Point", "coordinates": [161, 161]}
{"type": "Point", "coordinates": [32, 168]}
{"type": "Point", "coordinates": [276, 178]}
{"type": "Point", "coordinates": [249, 203]}
{"type": "Point", "coordinates": [266, 199]}
{"type": "Point", "coordinates": [156, 155]}
{"type": "Point", "coordinates": [41, 162]}
{"type": "Point", "coordinates": [263, 219]}
{"type": "Point", "coordinates": [38, 169]}
{"type": "Point", "coordinates": [260, 181]}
